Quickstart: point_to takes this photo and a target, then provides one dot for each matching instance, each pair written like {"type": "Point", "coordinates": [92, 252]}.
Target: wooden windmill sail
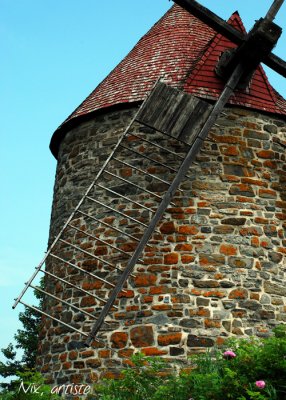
{"type": "Point", "coordinates": [175, 117]}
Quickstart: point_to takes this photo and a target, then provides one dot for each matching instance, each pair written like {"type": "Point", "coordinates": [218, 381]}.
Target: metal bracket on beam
{"type": "Point", "coordinates": [258, 45]}
{"type": "Point", "coordinates": [219, 25]}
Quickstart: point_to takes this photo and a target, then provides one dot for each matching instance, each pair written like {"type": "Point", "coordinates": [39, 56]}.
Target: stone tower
{"type": "Point", "coordinates": [216, 266]}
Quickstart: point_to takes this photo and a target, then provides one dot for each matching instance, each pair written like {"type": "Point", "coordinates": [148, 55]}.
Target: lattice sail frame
{"type": "Point", "coordinates": [132, 152]}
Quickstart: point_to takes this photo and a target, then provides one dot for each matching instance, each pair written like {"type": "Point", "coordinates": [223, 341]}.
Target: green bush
{"type": "Point", "coordinates": [139, 382]}
{"type": "Point", "coordinates": [214, 376]}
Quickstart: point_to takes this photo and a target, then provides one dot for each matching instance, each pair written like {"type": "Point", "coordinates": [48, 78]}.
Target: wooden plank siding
{"type": "Point", "coordinates": [171, 111]}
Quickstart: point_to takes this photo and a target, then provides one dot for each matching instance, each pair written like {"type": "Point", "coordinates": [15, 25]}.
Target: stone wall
{"type": "Point", "coordinates": [215, 269]}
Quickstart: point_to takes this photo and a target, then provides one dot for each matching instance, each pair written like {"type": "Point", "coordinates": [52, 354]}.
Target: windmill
{"type": "Point", "coordinates": [173, 120]}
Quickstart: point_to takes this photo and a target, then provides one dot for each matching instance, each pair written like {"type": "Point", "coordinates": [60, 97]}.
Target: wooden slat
{"type": "Point", "coordinates": [179, 114]}
{"type": "Point", "coordinates": [196, 120]}
{"type": "Point", "coordinates": [160, 99]}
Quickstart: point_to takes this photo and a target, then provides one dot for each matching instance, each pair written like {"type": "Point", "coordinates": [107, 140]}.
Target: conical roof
{"type": "Point", "coordinates": [185, 51]}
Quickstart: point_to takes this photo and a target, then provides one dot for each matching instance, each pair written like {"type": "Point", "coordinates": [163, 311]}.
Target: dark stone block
{"type": "Point", "coordinates": [78, 364]}
{"type": "Point", "coordinates": [233, 169]}
{"type": "Point", "coordinates": [270, 128]}
{"type": "Point", "coordinates": [63, 380]}
{"type": "Point", "coordinates": [58, 348]}
{"type": "Point", "coordinates": [273, 288]}
{"type": "Point", "coordinates": [46, 348]}
{"type": "Point", "coordinates": [176, 351]}
{"type": "Point", "coordinates": [204, 211]}
{"type": "Point", "coordinates": [226, 325]}
{"type": "Point", "coordinates": [247, 153]}
{"type": "Point", "coordinates": [267, 265]}
{"type": "Point", "coordinates": [201, 301]}
{"type": "Point", "coordinates": [67, 317]}
{"type": "Point", "coordinates": [124, 189]}
{"type": "Point", "coordinates": [275, 257]}
{"type": "Point", "coordinates": [195, 341]}
{"type": "Point", "coordinates": [206, 229]}
{"type": "Point", "coordinates": [160, 319]}
{"type": "Point", "coordinates": [73, 345]}
{"type": "Point", "coordinates": [183, 282]}
{"type": "Point", "coordinates": [254, 143]}
{"type": "Point", "coordinates": [205, 284]}
{"type": "Point", "coordinates": [270, 231]}
{"type": "Point", "coordinates": [234, 221]}
{"type": "Point", "coordinates": [251, 134]}
{"type": "Point", "coordinates": [242, 190]}
{"type": "Point", "coordinates": [228, 305]}
{"type": "Point", "coordinates": [236, 323]}
{"type": "Point", "coordinates": [226, 284]}
{"type": "Point", "coordinates": [264, 314]}
{"type": "Point", "coordinates": [93, 363]}
{"type": "Point", "coordinates": [250, 305]}
{"type": "Point", "coordinates": [190, 323]}
{"type": "Point", "coordinates": [79, 317]}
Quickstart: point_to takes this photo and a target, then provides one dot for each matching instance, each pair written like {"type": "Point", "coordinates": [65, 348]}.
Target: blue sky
{"type": "Point", "coordinates": [54, 53]}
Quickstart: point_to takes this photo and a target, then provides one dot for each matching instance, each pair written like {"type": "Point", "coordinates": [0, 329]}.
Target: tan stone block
{"type": "Point", "coordinates": [142, 336]}
{"type": "Point", "coordinates": [169, 339]}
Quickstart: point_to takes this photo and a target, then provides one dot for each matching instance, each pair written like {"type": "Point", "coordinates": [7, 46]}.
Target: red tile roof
{"type": "Point", "coordinates": [185, 51]}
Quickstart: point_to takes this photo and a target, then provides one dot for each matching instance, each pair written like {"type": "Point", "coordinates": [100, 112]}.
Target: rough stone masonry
{"type": "Point", "coordinates": [217, 267]}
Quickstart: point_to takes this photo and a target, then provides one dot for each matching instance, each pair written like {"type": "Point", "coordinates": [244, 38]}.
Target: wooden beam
{"type": "Point", "coordinates": [274, 10]}
{"type": "Point", "coordinates": [212, 20]}
{"type": "Point", "coordinates": [276, 63]}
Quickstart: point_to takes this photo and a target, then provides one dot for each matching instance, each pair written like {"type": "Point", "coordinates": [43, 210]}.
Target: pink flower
{"type": "Point", "coordinates": [260, 384]}
{"type": "Point", "coordinates": [229, 354]}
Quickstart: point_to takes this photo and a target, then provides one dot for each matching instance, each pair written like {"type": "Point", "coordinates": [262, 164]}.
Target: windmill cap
{"type": "Point", "coordinates": [185, 51]}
